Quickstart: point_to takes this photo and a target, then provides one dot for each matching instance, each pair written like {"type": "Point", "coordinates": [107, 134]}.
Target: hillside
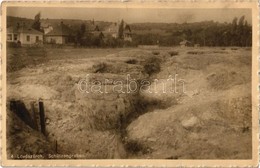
{"type": "Point", "coordinates": [74, 24]}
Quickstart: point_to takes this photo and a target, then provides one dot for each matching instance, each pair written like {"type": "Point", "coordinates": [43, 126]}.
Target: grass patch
{"type": "Point", "coordinates": [220, 52]}
{"type": "Point", "coordinates": [234, 48]}
{"type": "Point", "coordinates": [18, 58]}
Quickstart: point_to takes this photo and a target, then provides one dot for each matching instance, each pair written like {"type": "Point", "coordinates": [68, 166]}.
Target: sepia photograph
{"type": "Point", "coordinates": [129, 83]}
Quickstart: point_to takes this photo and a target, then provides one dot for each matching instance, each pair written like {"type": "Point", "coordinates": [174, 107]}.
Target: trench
{"type": "Point", "coordinates": [141, 107]}
{"type": "Point", "coordinates": [133, 106]}
{"type": "Point", "coordinates": [123, 113]}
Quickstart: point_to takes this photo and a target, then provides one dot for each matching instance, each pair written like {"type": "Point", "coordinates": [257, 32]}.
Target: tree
{"type": "Point", "coordinates": [37, 24]}
{"type": "Point", "coordinates": [241, 21]}
{"type": "Point", "coordinates": [121, 30]}
{"type": "Point", "coordinates": [82, 29]}
{"type": "Point", "coordinates": [234, 22]}
{"type": "Point", "coordinates": [97, 28]}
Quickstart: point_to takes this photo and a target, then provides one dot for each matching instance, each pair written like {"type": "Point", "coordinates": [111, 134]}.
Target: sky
{"type": "Point", "coordinates": [133, 15]}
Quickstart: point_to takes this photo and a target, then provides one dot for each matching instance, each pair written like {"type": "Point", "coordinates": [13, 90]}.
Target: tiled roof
{"type": "Point", "coordinates": [23, 30]}
{"type": "Point", "coordinates": [60, 30]}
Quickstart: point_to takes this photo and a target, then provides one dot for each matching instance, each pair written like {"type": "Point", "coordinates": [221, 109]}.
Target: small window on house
{"type": "Point", "coordinates": [15, 37]}
{"type": "Point", "coordinates": [28, 38]}
{"type": "Point", "coordinates": [9, 37]}
{"type": "Point", "coordinates": [37, 38]}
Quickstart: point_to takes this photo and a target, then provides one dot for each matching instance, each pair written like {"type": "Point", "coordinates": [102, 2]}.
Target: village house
{"type": "Point", "coordinates": [95, 30]}
{"type": "Point", "coordinates": [46, 27]}
{"type": "Point", "coordinates": [24, 36]}
{"type": "Point", "coordinates": [60, 34]}
{"type": "Point", "coordinates": [127, 33]}
{"type": "Point", "coordinates": [113, 30]}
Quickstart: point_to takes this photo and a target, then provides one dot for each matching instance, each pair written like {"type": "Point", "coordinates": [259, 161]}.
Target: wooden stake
{"type": "Point", "coordinates": [34, 116]}
{"type": "Point", "coordinates": [56, 146]}
{"type": "Point", "coordinates": [13, 106]}
{"type": "Point", "coordinates": [42, 117]}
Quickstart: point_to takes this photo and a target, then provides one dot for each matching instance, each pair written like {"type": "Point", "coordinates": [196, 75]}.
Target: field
{"type": "Point", "coordinates": [208, 116]}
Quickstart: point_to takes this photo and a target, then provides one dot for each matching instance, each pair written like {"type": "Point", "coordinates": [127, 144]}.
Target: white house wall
{"type": "Point", "coordinates": [23, 38]}
{"type": "Point", "coordinates": [13, 40]}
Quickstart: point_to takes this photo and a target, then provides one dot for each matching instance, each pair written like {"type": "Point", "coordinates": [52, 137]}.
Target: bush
{"type": "Point", "coordinates": [195, 52]}
{"type": "Point", "coordinates": [156, 52]}
{"type": "Point", "coordinates": [173, 53]}
{"type": "Point", "coordinates": [131, 61]}
{"type": "Point", "coordinates": [100, 67]}
{"type": "Point", "coordinates": [152, 65]}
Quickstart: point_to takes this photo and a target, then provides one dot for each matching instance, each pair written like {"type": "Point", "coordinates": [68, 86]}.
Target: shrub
{"type": "Point", "coordinates": [131, 61]}
{"type": "Point", "coordinates": [100, 67]}
{"type": "Point", "coordinates": [173, 53]}
{"type": "Point", "coordinates": [152, 65]}
{"type": "Point", "coordinates": [195, 52]}
{"type": "Point", "coordinates": [156, 52]}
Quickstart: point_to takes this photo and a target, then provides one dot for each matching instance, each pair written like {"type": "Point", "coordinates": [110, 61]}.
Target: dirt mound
{"type": "Point", "coordinates": [139, 54]}
{"type": "Point", "coordinates": [172, 132]}
{"type": "Point", "coordinates": [116, 68]}
{"type": "Point", "coordinates": [33, 92]}
{"type": "Point", "coordinates": [106, 110]}
{"type": "Point", "coordinates": [225, 77]}
{"type": "Point", "coordinates": [236, 111]}
{"type": "Point", "coordinates": [211, 120]}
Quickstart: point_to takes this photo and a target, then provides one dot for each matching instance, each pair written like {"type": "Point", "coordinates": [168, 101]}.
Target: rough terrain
{"type": "Point", "coordinates": [209, 119]}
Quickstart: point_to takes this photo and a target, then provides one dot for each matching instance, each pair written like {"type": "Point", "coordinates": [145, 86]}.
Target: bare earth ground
{"type": "Point", "coordinates": [211, 120]}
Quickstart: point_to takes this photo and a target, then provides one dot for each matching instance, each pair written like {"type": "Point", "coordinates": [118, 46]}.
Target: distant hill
{"type": "Point", "coordinates": [74, 24]}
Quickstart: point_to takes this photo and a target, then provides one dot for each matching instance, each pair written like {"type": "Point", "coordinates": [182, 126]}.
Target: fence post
{"type": "Point", "coordinates": [56, 146]}
{"type": "Point", "coordinates": [34, 116]}
{"type": "Point", "coordinates": [13, 106]}
{"type": "Point", "coordinates": [42, 117]}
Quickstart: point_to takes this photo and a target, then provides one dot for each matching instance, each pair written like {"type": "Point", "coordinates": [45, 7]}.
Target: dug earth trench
{"type": "Point", "coordinates": [128, 105]}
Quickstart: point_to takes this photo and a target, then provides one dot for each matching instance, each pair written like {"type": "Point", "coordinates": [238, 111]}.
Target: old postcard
{"type": "Point", "coordinates": [163, 84]}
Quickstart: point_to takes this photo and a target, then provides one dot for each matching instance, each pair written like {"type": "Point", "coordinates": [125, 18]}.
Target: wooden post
{"type": "Point", "coordinates": [42, 117]}
{"type": "Point", "coordinates": [13, 106]}
{"type": "Point", "coordinates": [34, 116]}
{"type": "Point", "coordinates": [56, 146]}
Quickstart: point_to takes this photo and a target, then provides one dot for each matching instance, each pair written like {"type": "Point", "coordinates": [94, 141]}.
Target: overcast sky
{"type": "Point", "coordinates": [133, 15]}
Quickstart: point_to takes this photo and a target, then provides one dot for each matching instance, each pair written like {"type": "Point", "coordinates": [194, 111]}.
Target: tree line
{"type": "Point", "coordinates": [206, 33]}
